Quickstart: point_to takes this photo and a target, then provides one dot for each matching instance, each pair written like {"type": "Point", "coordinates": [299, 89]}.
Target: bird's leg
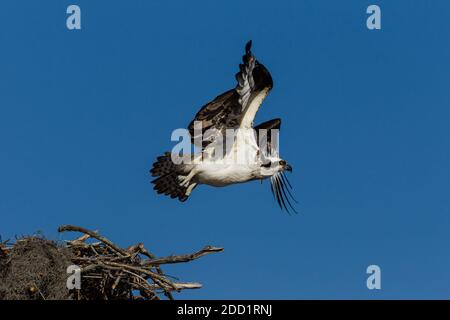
{"type": "Point", "coordinates": [185, 180]}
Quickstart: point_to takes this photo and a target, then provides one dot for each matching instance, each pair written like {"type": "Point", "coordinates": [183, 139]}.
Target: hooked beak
{"type": "Point", "coordinates": [288, 168]}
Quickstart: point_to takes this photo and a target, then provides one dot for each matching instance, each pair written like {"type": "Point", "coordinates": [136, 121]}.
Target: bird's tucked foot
{"type": "Point", "coordinates": [185, 181]}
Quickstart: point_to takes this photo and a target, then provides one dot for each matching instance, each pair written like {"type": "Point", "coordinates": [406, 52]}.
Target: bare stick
{"type": "Point", "coordinates": [185, 257]}
{"type": "Point", "coordinates": [64, 228]}
{"type": "Point", "coordinates": [181, 285]}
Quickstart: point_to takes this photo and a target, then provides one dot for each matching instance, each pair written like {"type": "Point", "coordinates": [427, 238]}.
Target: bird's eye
{"type": "Point", "coordinates": [282, 163]}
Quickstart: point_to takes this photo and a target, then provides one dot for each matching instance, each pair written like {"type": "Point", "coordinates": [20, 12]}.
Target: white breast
{"type": "Point", "coordinates": [220, 175]}
{"type": "Point", "coordinates": [237, 166]}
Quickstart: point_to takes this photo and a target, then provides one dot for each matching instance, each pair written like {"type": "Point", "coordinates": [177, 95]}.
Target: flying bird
{"type": "Point", "coordinates": [251, 154]}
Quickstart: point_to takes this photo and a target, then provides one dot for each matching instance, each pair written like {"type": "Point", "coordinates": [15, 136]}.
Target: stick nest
{"type": "Point", "coordinates": [34, 268]}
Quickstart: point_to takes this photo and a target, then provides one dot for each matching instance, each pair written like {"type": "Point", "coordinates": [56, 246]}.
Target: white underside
{"type": "Point", "coordinates": [239, 165]}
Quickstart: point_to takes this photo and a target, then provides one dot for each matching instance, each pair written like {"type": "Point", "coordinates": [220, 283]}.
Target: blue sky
{"type": "Point", "coordinates": [83, 114]}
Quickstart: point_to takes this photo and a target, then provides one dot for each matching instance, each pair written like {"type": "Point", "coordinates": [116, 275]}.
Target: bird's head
{"type": "Point", "coordinates": [274, 166]}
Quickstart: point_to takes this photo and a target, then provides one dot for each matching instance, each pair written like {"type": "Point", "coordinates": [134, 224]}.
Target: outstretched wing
{"type": "Point", "coordinates": [235, 108]}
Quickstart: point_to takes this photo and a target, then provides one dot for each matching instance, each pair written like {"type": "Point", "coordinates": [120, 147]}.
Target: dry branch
{"type": "Point", "coordinates": [93, 235]}
{"type": "Point", "coordinates": [184, 258]}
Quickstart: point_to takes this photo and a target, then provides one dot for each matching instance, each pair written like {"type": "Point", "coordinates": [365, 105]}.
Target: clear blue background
{"type": "Point", "coordinates": [83, 114]}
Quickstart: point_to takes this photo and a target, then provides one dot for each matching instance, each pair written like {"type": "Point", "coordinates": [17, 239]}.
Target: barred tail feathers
{"type": "Point", "coordinates": [167, 181]}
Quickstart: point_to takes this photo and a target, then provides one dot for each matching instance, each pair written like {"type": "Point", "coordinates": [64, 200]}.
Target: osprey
{"type": "Point", "coordinates": [250, 154]}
